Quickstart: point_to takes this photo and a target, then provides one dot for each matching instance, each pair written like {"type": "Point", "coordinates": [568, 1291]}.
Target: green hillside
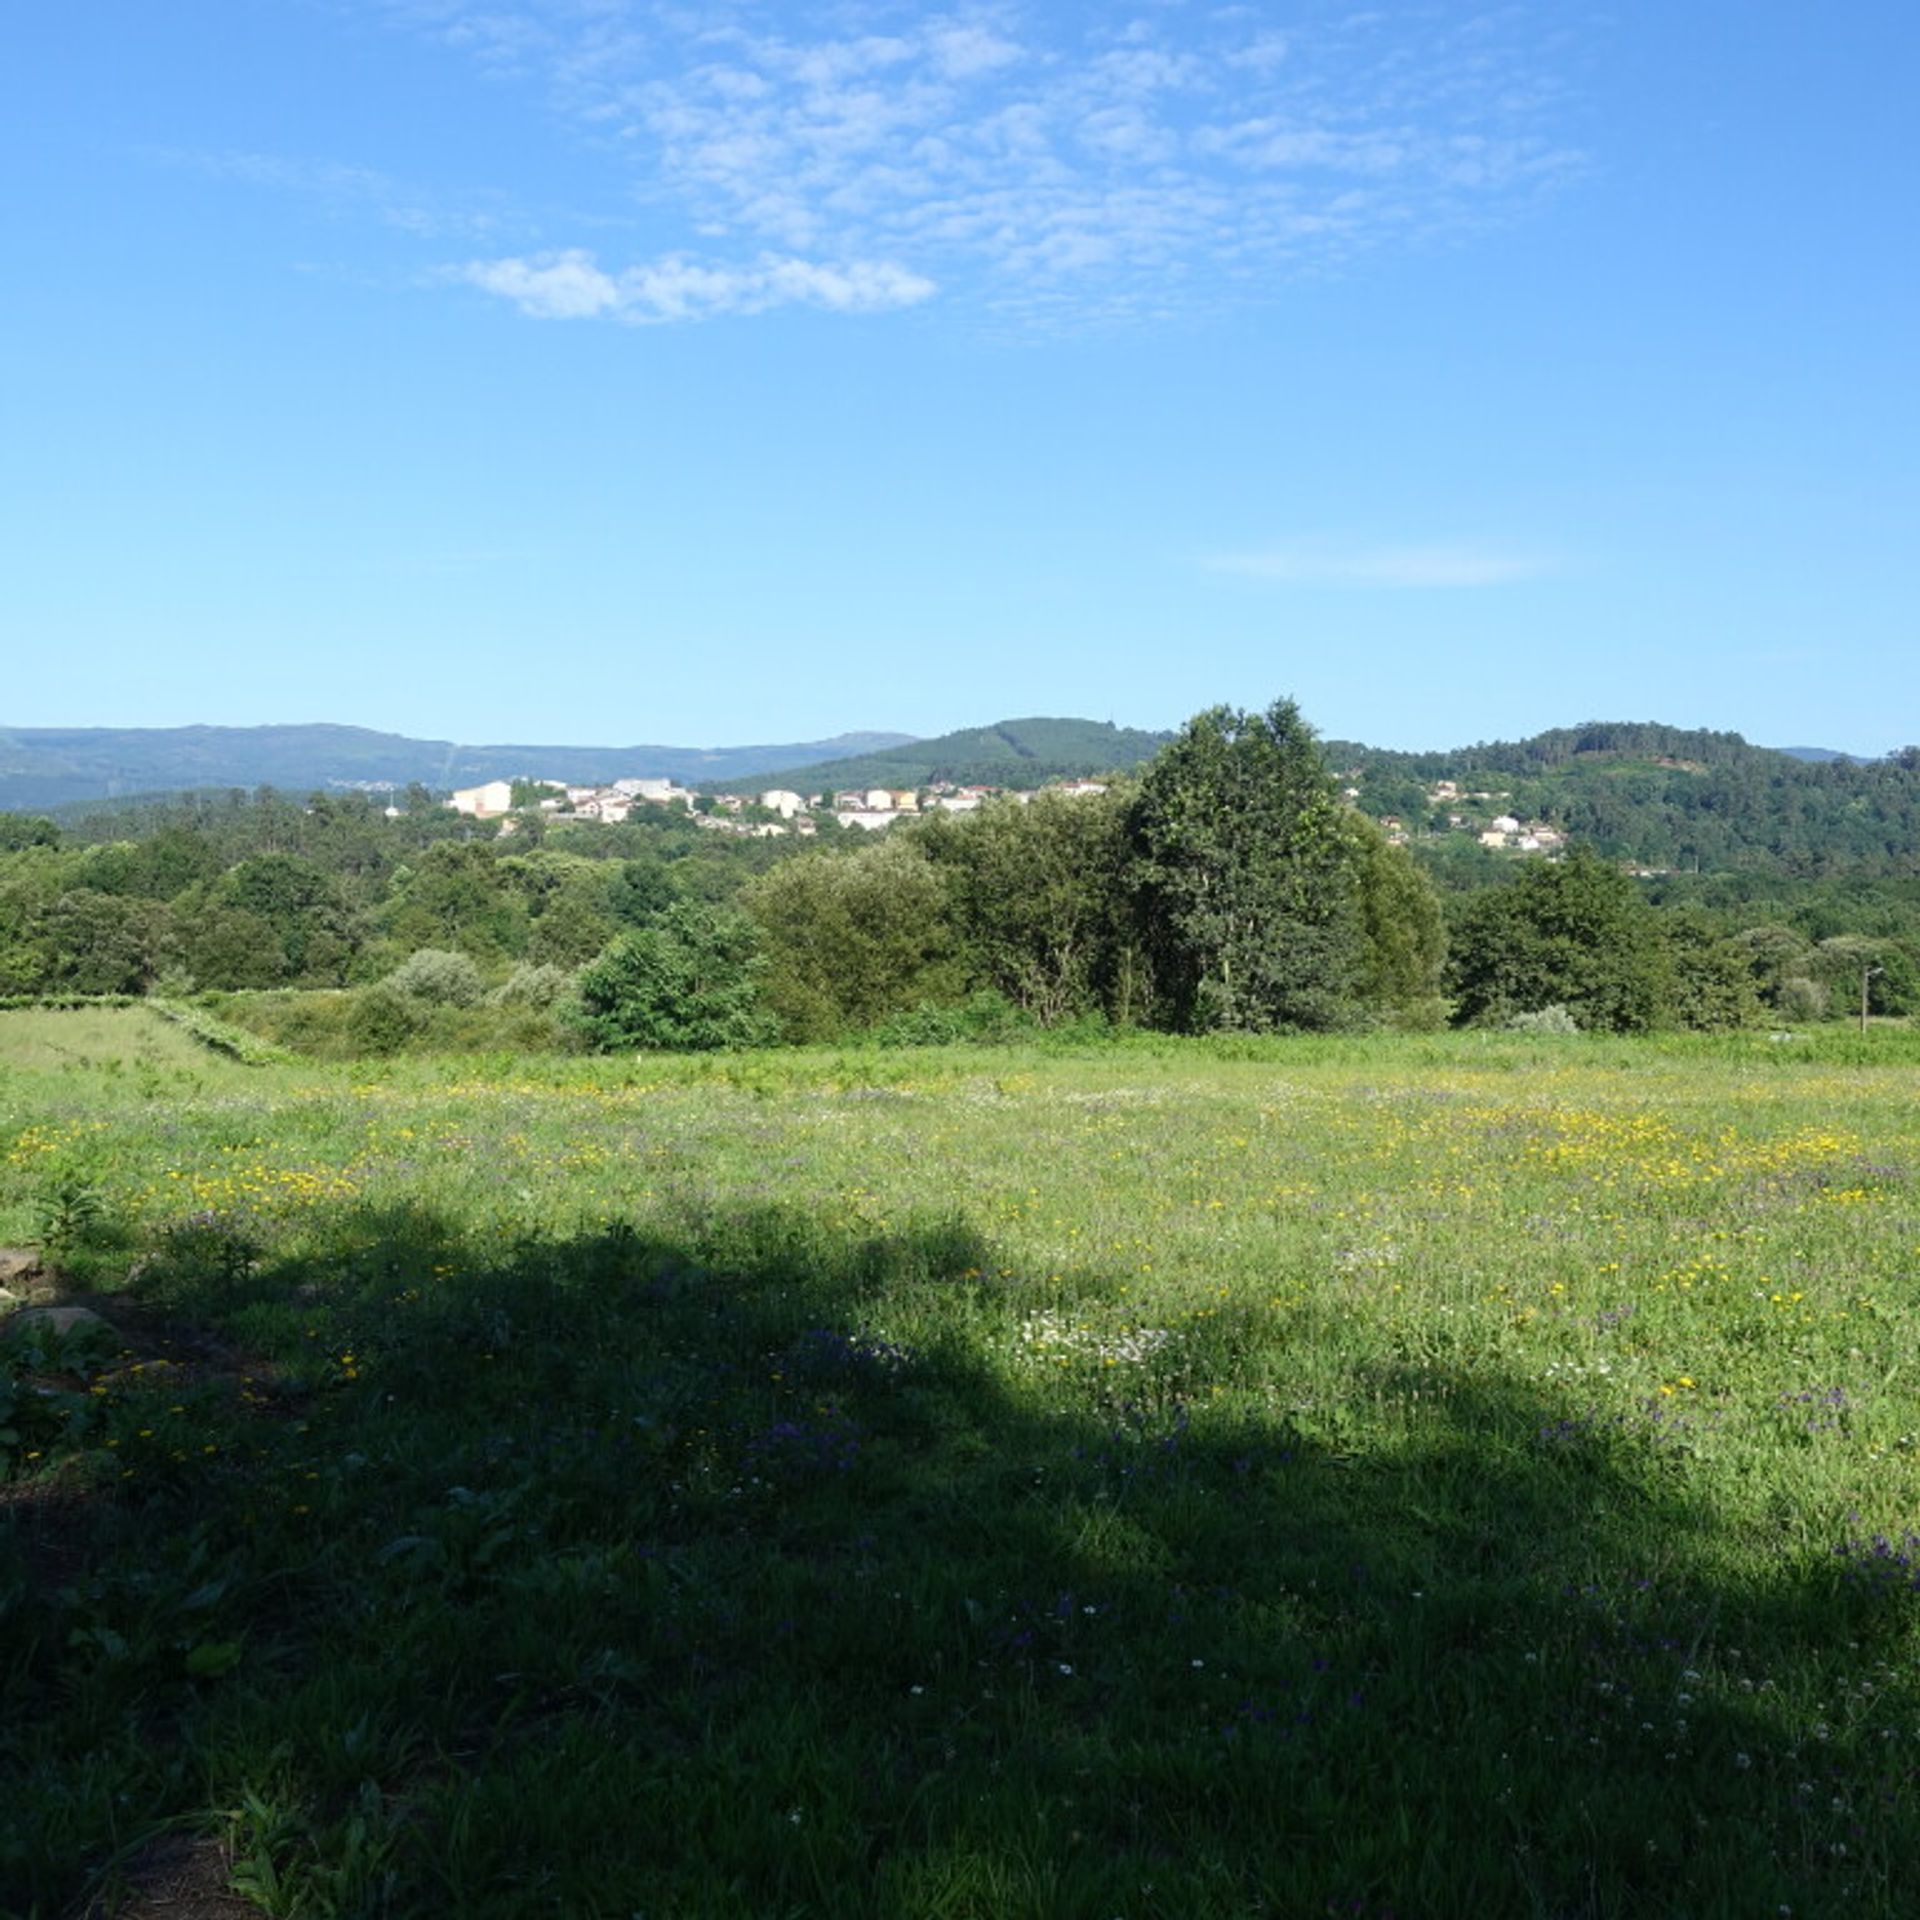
{"type": "Point", "coordinates": [1014, 753]}
{"type": "Point", "coordinates": [1661, 797]}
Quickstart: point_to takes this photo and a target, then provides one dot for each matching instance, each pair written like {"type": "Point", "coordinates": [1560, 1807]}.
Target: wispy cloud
{"type": "Point", "coordinates": [1332, 563]}
{"type": "Point", "coordinates": [571, 285]}
{"type": "Point", "coordinates": [345, 189]}
{"type": "Point", "coordinates": [1039, 157]}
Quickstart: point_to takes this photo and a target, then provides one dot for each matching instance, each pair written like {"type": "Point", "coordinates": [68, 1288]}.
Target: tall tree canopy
{"type": "Point", "coordinates": [1038, 896]}
{"type": "Point", "coordinates": [1403, 927]}
{"type": "Point", "coordinates": [1245, 876]}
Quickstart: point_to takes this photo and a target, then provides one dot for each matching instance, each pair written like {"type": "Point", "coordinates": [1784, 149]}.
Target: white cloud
{"type": "Point", "coordinates": [1042, 156]}
{"type": "Point", "coordinates": [963, 52]}
{"type": "Point", "coordinates": [556, 286]}
{"type": "Point", "coordinates": [1330, 563]}
{"type": "Point", "coordinates": [571, 285]}
{"type": "Point", "coordinates": [1271, 145]}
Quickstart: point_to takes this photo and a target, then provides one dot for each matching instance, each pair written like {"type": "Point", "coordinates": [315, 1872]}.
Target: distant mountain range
{"type": "Point", "coordinates": [43, 767]}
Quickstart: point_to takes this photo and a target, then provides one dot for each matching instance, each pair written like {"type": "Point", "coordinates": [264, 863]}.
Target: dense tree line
{"type": "Point", "coordinates": [249, 891]}
{"type": "Point", "coordinates": [1226, 887]}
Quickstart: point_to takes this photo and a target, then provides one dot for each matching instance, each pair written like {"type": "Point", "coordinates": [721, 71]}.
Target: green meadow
{"type": "Point", "coordinates": [1469, 1474]}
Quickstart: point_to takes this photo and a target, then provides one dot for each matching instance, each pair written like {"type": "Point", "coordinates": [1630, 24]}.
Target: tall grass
{"type": "Point", "coordinates": [1442, 1475]}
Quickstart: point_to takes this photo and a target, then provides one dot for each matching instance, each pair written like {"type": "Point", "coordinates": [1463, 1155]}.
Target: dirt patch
{"type": "Point", "coordinates": [153, 1344]}
{"type": "Point", "coordinates": [175, 1876]}
{"type": "Point", "coordinates": [20, 1271]}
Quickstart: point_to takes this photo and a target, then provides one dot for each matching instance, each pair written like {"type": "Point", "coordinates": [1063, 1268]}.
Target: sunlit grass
{"type": "Point", "coordinates": [125, 1042]}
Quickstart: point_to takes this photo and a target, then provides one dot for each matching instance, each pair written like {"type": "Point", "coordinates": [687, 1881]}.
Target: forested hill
{"type": "Point", "coordinates": [1015, 753]}
{"type": "Point", "coordinates": [1590, 743]}
{"type": "Point", "coordinates": [1662, 797]}
{"type": "Point", "coordinates": [44, 767]}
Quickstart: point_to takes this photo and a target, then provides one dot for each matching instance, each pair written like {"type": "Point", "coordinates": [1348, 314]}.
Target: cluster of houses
{"type": "Point", "coordinates": [779, 810]}
{"type": "Point", "coordinates": [1504, 832]}
{"type": "Point", "coordinates": [494, 800]}
{"type": "Point", "coordinates": [770, 814]}
{"type": "Point", "coordinates": [1516, 836]}
{"type": "Point", "coordinates": [1464, 811]}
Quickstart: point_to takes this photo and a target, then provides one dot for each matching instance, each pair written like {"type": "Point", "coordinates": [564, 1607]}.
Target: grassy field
{"type": "Point", "coordinates": [120, 1041]}
{"type": "Point", "coordinates": [1381, 1478]}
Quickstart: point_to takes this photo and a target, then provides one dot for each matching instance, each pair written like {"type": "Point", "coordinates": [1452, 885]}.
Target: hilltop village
{"type": "Point", "coordinates": [780, 811]}
{"type": "Point", "coordinates": [1454, 810]}
{"type": "Point", "coordinates": [769, 815]}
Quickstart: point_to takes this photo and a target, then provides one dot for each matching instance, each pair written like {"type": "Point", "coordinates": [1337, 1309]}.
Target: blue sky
{"type": "Point", "coordinates": [629, 370]}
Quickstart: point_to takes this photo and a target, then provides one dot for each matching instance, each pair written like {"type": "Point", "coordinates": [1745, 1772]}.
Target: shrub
{"type": "Point", "coordinates": [384, 1021]}
{"type": "Point", "coordinates": [438, 977]}
{"type": "Point", "coordinates": [690, 983]}
{"type": "Point", "coordinates": [532, 986]}
{"type": "Point", "coordinates": [852, 940]}
{"type": "Point", "coordinates": [68, 1210]}
{"type": "Point", "coordinates": [220, 1035]}
{"type": "Point", "coordinates": [986, 1018]}
{"type": "Point", "coordinates": [1543, 1020]}
{"type": "Point", "coordinates": [1800, 997]}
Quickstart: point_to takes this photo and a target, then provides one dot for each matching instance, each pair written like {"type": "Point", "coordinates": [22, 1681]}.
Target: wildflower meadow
{"type": "Point", "coordinates": [1386, 1477]}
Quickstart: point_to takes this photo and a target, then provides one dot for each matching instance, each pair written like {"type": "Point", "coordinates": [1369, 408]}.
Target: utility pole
{"type": "Point", "coordinates": [1866, 974]}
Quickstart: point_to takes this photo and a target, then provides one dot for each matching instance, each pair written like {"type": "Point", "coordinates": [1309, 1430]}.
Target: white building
{"type": "Point", "coordinates": [486, 802]}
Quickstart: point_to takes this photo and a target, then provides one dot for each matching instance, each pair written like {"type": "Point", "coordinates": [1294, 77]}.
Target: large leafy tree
{"type": "Point", "coordinates": [1244, 872]}
{"type": "Point", "coordinates": [303, 905]}
{"type": "Point", "coordinates": [29, 885]}
{"type": "Point", "coordinates": [1403, 929]}
{"type": "Point", "coordinates": [1710, 983]}
{"type": "Point", "coordinates": [102, 943]}
{"type": "Point", "coordinates": [457, 896]}
{"type": "Point", "coordinates": [566, 898]}
{"type": "Point", "coordinates": [19, 830]}
{"type": "Point", "coordinates": [1038, 896]}
{"type": "Point", "coordinates": [1572, 933]}
{"type": "Point", "coordinates": [1842, 963]}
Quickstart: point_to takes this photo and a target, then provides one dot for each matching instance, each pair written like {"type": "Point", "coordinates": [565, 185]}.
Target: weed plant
{"type": "Point", "coordinates": [1441, 1475]}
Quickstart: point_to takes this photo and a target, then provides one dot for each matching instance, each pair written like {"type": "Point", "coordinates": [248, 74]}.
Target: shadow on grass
{"type": "Point", "coordinates": [759, 1570]}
